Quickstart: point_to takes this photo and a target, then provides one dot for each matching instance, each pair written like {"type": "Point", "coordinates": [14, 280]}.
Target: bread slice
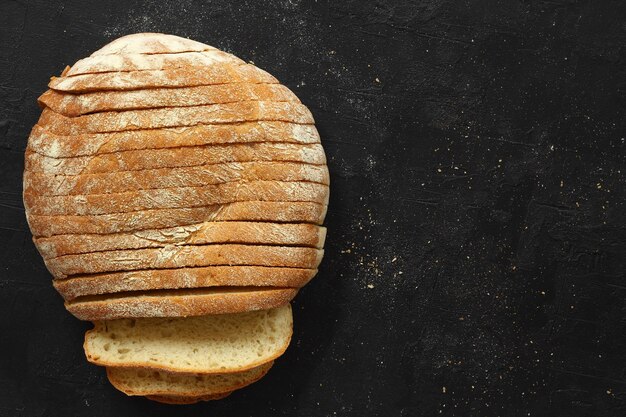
{"type": "Point", "coordinates": [198, 277]}
{"type": "Point", "coordinates": [79, 104]}
{"type": "Point", "coordinates": [184, 256]}
{"type": "Point", "coordinates": [137, 381]}
{"type": "Point", "coordinates": [271, 211]}
{"type": "Point", "coordinates": [178, 197]}
{"type": "Point", "coordinates": [218, 73]}
{"type": "Point", "coordinates": [178, 303]}
{"type": "Point", "coordinates": [151, 43]}
{"type": "Point", "coordinates": [182, 400]}
{"type": "Point", "coordinates": [141, 62]}
{"type": "Point", "coordinates": [125, 181]}
{"type": "Point", "coordinates": [213, 344]}
{"type": "Point", "coordinates": [113, 121]}
{"type": "Point", "coordinates": [175, 158]}
{"type": "Point", "coordinates": [286, 134]}
{"type": "Point", "coordinates": [260, 233]}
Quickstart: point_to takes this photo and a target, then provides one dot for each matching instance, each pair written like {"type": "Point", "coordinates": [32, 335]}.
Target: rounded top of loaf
{"type": "Point", "coordinates": [151, 43]}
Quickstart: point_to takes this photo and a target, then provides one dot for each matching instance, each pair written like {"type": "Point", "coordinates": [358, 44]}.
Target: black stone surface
{"type": "Point", "coordinates": [476, 249]}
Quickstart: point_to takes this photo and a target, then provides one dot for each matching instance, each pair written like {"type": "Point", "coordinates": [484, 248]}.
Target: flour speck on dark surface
{"type": "Point", "coordinates": [476, 245]}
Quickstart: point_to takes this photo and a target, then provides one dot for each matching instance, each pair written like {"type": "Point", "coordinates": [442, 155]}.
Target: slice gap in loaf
{"type": "Point", "coordinates": [179, 303]}
{"type": "Point", "coordinates": [211, 344]}
{"type": "Point", "coordinates": [138, 381]}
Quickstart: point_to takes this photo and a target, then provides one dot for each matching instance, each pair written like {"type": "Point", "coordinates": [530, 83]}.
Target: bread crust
{"type": "Point", "coordinates": [219, 73]}
{"type": "Point", "coordinates": [151, 43]}
{"type": "Point", "coordinates": [273, 211]}
{"type": "Point", "coordinates": [46, 143]}
{"type": "Point", "coordinates": [178, 197]}
{"type": "Point", "coordinates": [183, 400]}
{"type": "Point", "coordinates": [227, 113]}
{"type": "Point", "coordinates": [184, 256]}
{"type": "Point", "coordinates": [73, 105]}
{"type": "Point", "coordinates": [125, 181]}
{"type": "Point", "coordinates": [177, 303]}
{"type": "Point", "coordinates": [116, 378]}
{"type": "Point", "coordinates": [282, 234]}
{"type": "Point", "coordinates": [194, 156]}
{"type": "Point", "coordinates": [141, 61]}
{"type": "Point", "coordinates": [198, 277]}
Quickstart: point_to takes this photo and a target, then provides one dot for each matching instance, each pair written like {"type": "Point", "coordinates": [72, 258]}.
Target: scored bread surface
{"type": "Point", "coordinates": [300, 212]}
{"type": "Point", "coordinates": [196, 277]}
{"type": "Point", "coordinates": [290, 234]}
{"type": "Point", "coordinates": [184, 256]}
{"type": "Point", "coordinates": [178, 303]}
{"type": "Point", "coordinates": [244, 135]}
{"type": "Point", "coordinates": [205, 344]}
{"type": "Point", "coordinates": [239, 112]}
{"type": "Point", "coordinates": [124, 181]}
{"type": "Point", "coordinates": [219, 73]}
{"type": "Point", "coordinates": [73, 105]}
{"type": "Point", "coordinates": [151, 43]}
{"type": "Point", "coordinates": [137, 381]}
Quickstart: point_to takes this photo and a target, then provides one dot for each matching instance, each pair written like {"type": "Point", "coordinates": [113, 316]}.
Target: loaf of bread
{"type": "Point", "coordinates": [176, 194]}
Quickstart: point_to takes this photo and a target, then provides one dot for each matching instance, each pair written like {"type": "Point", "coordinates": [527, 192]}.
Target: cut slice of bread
{"type": "Point", "coordinates": [151, 43]}
{"type": "Point", "coordinates": [270, 211]}
{"type": "Point", "coordinates": [194, 156]}
{"type": "Point", "coordinates": [184, 256]}
{"type": "Point", "coordinates": [178, 303]}
{"type": "Point", "coordinates": [213, 344]}
{"type": "Point", "coordinates": [142, 62]}
{"type": "Point", "coordinates": [198, 277]}
{"type": "Point", "coordinates": [260, 233]}
{"type": "Point", "coordinates": [219, 73]}
{"type": "Point", "coordinates": [165, 117]}
{"type": "Point", "coordinates": [179, 197]}
{"type": "Point", "coordinates": [182, 400]}
{"type": "Point", "coordinates": [78, 104]}
{"type": "Point", "coordinates": [137, 381]}
{"type": "Point", "coordinates": [125, 181]}
{"type": "Point", "coordinates": [238, 135]}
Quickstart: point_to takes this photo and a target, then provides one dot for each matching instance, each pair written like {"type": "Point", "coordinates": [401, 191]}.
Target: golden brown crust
{"type": "Point", "coordinates": [285, 234]}
{"type": "Point", "coordinates": [239, 135]}
{"type": "Point", "coordinates": [114, 121]}
{"type": "Point", "coordinates": [184, 256]}
{"type": "Point", "coordinates": [178, 197]}
{"type": "Point", "coordinates": [177, 303]}
{"type": "Point", "coordinates": [273, 211]}
{"type": "Point", "coordinates": [116, 378]}
{"type": "Point", "coordinates": [198, 277]}
{"type": "Point", "coordinates": [181, 400]}
{"type": "Point", "coordinates": [219, 73]}
{"type": "Point", "coordinates": [183, 157]}
{"type": "Point", "coordinates": [125, 181]}
{"type": "Point", "coordinates": [73, 105]}
{"type": "Point", "coordinates": [151, 43]}
{"type": "Point", "coordinates": [141, 61]}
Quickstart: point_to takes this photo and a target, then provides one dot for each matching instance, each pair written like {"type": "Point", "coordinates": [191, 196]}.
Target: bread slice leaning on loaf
{"type": "Point", "coordinates": [138, 381]}
{"type": "Point", "coordinates": [214, 344]}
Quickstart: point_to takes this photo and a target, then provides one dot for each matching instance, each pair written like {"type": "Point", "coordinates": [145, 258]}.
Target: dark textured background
{"type": "Point", "coordinates": [476, 250]}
